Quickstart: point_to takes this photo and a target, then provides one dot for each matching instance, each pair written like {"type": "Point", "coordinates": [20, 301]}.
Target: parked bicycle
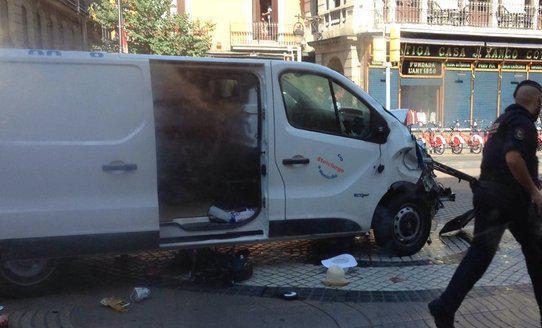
{"type": "Point", "coordinates": [456, 142]}
{"type": "Point", "coordinates": [433, 141]}
{"type": "Point", "coordinates": [475, 141]}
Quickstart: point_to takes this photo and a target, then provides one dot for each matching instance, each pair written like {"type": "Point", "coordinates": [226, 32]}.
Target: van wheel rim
{"type": "Point", "coordinates": [407, 224]}
{"type": "Point", "coordinates": [26, 268]}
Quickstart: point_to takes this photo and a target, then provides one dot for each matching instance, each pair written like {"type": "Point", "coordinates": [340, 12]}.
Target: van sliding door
{"type": "Point", "coordinates": [207, 138]}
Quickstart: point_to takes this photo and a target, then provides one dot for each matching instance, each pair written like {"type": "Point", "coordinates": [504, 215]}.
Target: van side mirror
{"type": "Point", "coordinates": [381, 133]}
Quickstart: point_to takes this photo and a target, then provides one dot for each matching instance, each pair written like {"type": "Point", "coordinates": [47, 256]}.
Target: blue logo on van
{"type": "Point", "coordinates": [327, 176]}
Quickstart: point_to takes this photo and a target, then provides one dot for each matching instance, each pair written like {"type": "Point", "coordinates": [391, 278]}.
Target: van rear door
{"type": "Point", "coordinates": [78, 171]}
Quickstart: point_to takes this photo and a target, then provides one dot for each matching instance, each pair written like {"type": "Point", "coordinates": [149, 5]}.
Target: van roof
{"type": "Point", "coordinates": [97, 55]}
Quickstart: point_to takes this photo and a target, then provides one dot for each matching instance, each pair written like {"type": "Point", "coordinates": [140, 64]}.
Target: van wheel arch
{"type": "Point", "coordinates": [28, 277]}
{"type": "Point", "coordinates": [402, 219]}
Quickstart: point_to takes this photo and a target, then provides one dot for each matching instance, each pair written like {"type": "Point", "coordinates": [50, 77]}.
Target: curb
{"type": "Point", "coordinates": [40, 318]}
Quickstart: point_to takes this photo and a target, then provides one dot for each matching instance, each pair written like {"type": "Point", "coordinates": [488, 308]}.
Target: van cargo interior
{"type": "Point", "coordinates": [208, 136]}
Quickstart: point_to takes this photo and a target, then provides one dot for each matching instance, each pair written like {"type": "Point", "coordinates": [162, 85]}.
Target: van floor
{"type": "Point", "coordinates": [193, 209]}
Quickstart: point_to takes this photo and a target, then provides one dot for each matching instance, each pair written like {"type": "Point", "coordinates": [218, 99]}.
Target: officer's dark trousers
{"type": "Point", "coordinates": [497, 207]}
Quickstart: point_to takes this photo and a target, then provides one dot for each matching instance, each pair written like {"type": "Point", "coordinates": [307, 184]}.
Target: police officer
{"type": "Point", "coordinates": [506, 196]}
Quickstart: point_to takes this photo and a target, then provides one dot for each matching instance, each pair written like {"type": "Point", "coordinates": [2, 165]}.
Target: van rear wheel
{"type": "Point", "coordinates": [27, 277]}
{"type": "Point", "coordinates": [402, 225]}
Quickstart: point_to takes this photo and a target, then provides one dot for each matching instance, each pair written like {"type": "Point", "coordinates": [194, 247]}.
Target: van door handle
{"type": "Point", "coordinates": [119, 167]}
{"type": "Point", "coordinates": [296, 160]}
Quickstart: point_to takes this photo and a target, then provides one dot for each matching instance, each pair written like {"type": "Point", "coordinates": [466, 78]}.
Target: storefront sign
{"type": "Point", "coordinates": [492, 66]}
{"type": "Point", "coordinates": [419, 50]}
{"type": "Point", "coordinates": [462, 65]}
{"type": "Point", "coordinates": [469, 52]}
{"type": "Point", "coordinates": [537, 68]}
{"type": "Point", "coordinates": [514, 67]}
{"type": "Point", "coordinates": [421, 68]}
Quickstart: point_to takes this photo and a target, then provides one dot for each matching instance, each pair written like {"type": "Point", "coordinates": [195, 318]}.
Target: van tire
{"type": "Point", "coordinates": [402, 225]}
{"type": "Point", "coordinates": [27, 277]}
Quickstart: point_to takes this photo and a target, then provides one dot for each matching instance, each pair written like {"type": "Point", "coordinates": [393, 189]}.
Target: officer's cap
{"type": "Point", "coordinates": [530, 83]}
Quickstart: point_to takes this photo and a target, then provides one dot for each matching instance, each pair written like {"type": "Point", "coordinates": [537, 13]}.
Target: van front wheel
{"type": "Point", "coordinates": [27, 276]}
{"type": "Point", "coordinates": [402, 225]}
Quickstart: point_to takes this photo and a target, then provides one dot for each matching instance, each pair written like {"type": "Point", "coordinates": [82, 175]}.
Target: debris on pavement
{"type": "Point", "coordinates": [139, 294]}
{"type": "Point", "coordinates": [335, 277]}
{"type": "Point", "coordinates": [397, 279]}
{"type": "Point", "coordinates": [343, 261]}
{"type": "Point", "coordinates": [116, 304]}
{"type": "Point", "coordinates": [290, 296]}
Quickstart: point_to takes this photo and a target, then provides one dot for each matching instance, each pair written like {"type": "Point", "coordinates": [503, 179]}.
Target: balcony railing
{"type": "Point", "coordinates": [263, 34]}
{"type": "Point", "coordinates": [80, 6]}
{"type": "Point", "coordinates": [475, 13]}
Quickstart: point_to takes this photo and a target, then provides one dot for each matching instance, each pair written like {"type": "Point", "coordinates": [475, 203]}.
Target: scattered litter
{"type": "Point", "coordinates": [335, 277]}
{"type": "Point", "coordinates": [139, 294]}
{"type": "Point", "coordinates": [217, 214]}
{"type": "Point", "coordinates": [4, 322]}
{"type": "Point", "coordinates": [343, 261]}
{"type": "Point", "coordinates": [289, 296]}
{"type": "Point", "coordinates": [397, 279]}
{"type": "Point", "coordinates": [116, 304]}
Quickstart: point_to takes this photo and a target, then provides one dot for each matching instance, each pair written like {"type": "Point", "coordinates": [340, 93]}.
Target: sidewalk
{"type": "Point", "coordinates": [181, 308]}
{"type": "Point", "coordinates": [384, 291]}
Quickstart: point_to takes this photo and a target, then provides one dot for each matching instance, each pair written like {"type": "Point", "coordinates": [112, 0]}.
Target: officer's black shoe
{"type": "Point", "coordinates": [442, 318]}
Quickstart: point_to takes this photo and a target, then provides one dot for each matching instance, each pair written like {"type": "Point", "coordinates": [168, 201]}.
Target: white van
{"type": "Point", "coordinates": [117, 153]}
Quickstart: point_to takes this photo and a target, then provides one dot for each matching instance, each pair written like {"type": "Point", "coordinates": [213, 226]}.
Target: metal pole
{"type": "Point", "coordinates": [299, 53]}
{"type": "Point", "coordinates": [120, 26]}
{"type": "Point", "coordinates": [388, 80]}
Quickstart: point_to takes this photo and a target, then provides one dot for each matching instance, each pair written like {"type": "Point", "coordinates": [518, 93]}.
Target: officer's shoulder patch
{"type": "Point", "coordinates": [519, 134]}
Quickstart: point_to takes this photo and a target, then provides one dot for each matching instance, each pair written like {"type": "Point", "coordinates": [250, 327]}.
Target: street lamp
{"type": "Point", "coordinates": [299, 34]}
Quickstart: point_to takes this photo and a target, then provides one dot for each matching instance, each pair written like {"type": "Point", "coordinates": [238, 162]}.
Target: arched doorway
{"type": "Point", "coordinates": [336, 65]}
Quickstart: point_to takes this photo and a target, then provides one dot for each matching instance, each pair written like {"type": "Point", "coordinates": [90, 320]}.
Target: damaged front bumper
{"type": "Point", "coordinates": [440, 193]}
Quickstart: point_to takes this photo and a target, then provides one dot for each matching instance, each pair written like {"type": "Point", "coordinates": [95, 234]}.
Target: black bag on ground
{"type": "Point", "coordinates": [227, 267]}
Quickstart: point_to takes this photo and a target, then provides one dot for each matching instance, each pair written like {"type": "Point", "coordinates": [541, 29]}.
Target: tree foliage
{"type": "Point", "coordinates": [151, 28]}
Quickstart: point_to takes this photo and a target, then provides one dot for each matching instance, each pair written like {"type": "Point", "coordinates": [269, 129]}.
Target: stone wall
{"type": "Point", "coordinates": [47, 24]}
{"type": "Point", "coordinates": [346, 54]}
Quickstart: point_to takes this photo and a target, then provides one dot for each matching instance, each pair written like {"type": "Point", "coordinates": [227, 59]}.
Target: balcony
{"type": "Point", "coordinates": [79, 6]}
{"type": "Point", "coordinates": [262, 35]}
{"type": "Point", "coordinates": [434, 15]}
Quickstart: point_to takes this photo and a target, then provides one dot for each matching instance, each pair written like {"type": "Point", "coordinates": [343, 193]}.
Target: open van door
{"type": "Point", "coordinates": [208, 122]}
{"type": "Point", "coordinates": [328, 147]}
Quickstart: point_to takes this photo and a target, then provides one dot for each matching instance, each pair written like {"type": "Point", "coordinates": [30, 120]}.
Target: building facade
{"type": "Point", "coordinates": [45, 24]}
{"type": "Point", "coordinates": [460, 59]}
{"type": "Point", "coordinates": [252, 28]}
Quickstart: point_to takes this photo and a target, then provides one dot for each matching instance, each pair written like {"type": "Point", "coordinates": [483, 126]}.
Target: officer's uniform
{"type": "Point", "coordinates": [500, 202]}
